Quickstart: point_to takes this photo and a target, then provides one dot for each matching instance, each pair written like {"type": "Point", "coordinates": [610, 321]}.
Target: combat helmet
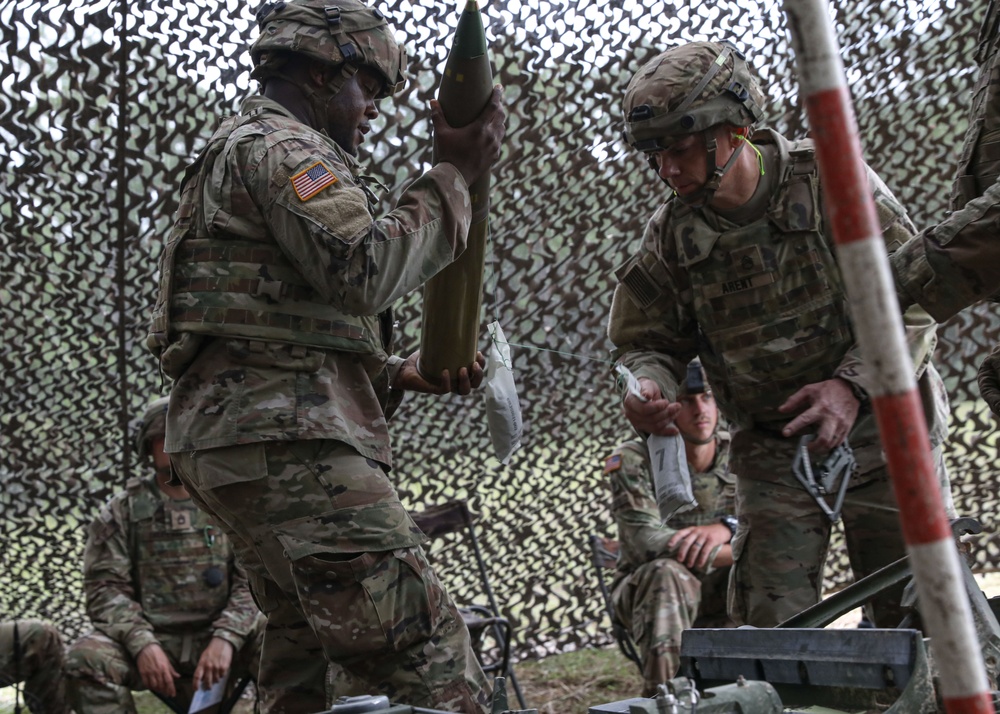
{"type": "Point", "coordinates": [153, 424]}
{"type": "Point", "coordinates": [341, 33]}
{"type": "Point", "coordinates": [695, 381]}
{"type": "Point", "coordinates": [690, 89]}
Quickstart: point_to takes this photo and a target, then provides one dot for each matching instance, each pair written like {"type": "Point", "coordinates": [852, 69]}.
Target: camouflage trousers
{"type": "Point", "coordinates": [38, 664]}
{"type": "Point", "coordinates": [781, 546]}
{"type": "Point", "coordinates": [335, 563]}
{"type": "Point", "coordinates": [102, 674]}
{"type": "Point", "coordinates": [660, 600]}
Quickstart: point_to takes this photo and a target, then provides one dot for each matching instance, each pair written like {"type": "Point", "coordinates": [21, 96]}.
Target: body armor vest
{"type": "Point", "coordinates": [768, 297]}
{"type": "Point", "coordinates": [979, 162]}
{"type": "Point", "coordinates": [180, 560]}
{"type": "Point", "coordinates": [217, 282]}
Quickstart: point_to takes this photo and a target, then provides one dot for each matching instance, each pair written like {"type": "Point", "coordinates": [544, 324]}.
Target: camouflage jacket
{"type": "Point", "coordinates": [956, 263]}
{"type": "Point", "coordinates": [157, 565]}
{"type": "Point", "coordinates": [642, 535]}
{"type": "Point", "coordinates": [765, 341]}
{"type": "Point", "coordinates": [238, 391]}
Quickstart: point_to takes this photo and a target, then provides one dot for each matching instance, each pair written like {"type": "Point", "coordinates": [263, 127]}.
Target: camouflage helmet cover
{"type": "Point", "coordinates": [153, 424]}
{"type": "Point", "coordinates": [689, 89]}
{"type": "Point", "coordinates": [333, 31]}
{"type": "Point", "coordinates": [695, 381]}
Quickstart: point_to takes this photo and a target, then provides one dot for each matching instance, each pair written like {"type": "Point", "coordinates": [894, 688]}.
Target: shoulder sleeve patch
{"type": "Point", "coordinates": [640, 284]}
{"type": "Point", "coordinates": [312, 180]}
{"type": "Point", "coordinates": [613, 463]}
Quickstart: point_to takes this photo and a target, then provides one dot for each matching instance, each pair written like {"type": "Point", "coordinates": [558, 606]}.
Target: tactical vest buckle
{"type": "Point", "coordinates": [272, 289]}
{"type": "Point", "coordinates": [350, 54]}
{"type": "Point", "coordinates": [739, 90]}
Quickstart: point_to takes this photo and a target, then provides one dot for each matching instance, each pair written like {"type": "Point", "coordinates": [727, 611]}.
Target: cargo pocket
{"type": "Point", "coordinates": [225, 465]}
{"type": "Point", "coordinates": [369, 603]}
{"type": "Point", "coordinates": [408, 597]}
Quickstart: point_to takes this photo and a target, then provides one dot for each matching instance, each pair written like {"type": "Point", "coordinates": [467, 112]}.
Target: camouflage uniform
{"type": "Point", "coordinates": [278, 418]}
{"type": "Point", "coordinates": [655, 596]}
{"type": "Point", "coordinates": [37, 660]}
{"type": "Point", "coordinates": [758, 295]}
{"type": "Point", "coordinates": [157, 571]}
{"type": "Point", "coordinates": [957, 262]}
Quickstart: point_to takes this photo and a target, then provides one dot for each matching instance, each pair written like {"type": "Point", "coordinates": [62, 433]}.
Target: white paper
{"type": "Point", "coordinates": [503, 409]}
{"type": "Point", "coordinates": [671, 477]}
{"type": "Point", "coordinates": [204, 698]}
{"type": "Point", "coordinates": [631, 383]}
{"type": "Point", "coordinates": [668, 461]}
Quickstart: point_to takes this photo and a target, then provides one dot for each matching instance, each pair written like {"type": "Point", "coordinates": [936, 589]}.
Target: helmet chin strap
{"type": "Point", "coordinates": [703, 196]}
{"type": "Point", "coordinates": [700, 442]}
{"type": "Point", "coordinates": [318, 99]}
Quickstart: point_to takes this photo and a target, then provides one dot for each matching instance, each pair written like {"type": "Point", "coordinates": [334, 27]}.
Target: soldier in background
{"type": "Point", "coordinates": [171, 610]}
{"type": "Point", "coordinates": [737, 267]}
{"type": "Point", "coordinates": [274, 319]}
{"type": "Point", "coordinates": [31, 651]}
{"type": "Point", "coordinates": [957, 262]}
{"type": "Point", "coordinates": [673, 576]}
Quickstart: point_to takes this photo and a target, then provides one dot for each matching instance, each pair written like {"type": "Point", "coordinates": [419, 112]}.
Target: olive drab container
{"type": "Point", "coordinates": [453, 298]}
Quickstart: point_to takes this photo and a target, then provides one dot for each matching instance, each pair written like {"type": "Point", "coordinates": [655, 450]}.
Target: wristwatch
{"type": "Point", "coordinates": [732, 523]}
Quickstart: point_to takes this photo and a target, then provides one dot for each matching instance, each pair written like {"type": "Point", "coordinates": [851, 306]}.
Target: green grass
{"type": "Point", "coordinates": [571, 683]}
{"type": "Point", "coordinates": [145, 703]}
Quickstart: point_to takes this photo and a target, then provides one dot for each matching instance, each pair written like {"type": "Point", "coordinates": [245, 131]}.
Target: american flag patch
{"type": "Point", "coordinates": [613, 463]}
{"type": "Point", "coordinates": [311, 181]}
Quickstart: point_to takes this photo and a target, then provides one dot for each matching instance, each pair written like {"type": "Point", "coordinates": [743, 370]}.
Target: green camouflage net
{"type": "Point", "coordinates": [103, 104]}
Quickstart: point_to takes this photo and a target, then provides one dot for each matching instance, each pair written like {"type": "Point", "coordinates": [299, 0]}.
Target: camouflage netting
{"type": "Point", "coordinates": [104, 102]}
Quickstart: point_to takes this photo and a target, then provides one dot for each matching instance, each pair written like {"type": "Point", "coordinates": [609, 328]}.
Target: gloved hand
{"type": "Point", "coordinates": [989, 380]}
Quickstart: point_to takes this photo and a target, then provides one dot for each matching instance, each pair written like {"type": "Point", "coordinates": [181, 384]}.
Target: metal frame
{"type": "Point", "coordinates": [455, 517]}
{"type": "Point", "coordinates": [604, 556]}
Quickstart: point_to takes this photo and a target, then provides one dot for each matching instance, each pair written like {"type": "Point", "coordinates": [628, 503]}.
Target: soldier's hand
{"type": "Point", "coordinates": [989, 380]}
{"type": "Point", "coordinates": [830, 406]}
{"type": "Point", "coordinates": [695, 545]}
{"type": "Point", "coordinates": [409, 377]}
{"type": "Point", "coordinates": [655, 416]}
{"type": "Point", "coordinates": [473, 148]}
{"type": "Point", "coordinates": [156, 671]}
{"type": "Point", "coordinates": [214, 663]}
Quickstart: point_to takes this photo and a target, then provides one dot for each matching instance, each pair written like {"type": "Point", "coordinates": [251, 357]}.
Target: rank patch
{"type": "Point", "coordinates": [311, 181]}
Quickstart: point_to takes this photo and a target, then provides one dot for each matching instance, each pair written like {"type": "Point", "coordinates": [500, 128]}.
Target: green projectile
{"type": "Point", "coordinates": [453, 298]}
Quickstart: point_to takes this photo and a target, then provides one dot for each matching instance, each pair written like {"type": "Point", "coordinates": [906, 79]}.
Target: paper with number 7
{"type": "Point", "coordinates": [668, 460]}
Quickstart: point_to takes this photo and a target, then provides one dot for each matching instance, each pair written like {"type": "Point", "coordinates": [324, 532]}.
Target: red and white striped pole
{"type": "Point", "coordinates": [934, 558]}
